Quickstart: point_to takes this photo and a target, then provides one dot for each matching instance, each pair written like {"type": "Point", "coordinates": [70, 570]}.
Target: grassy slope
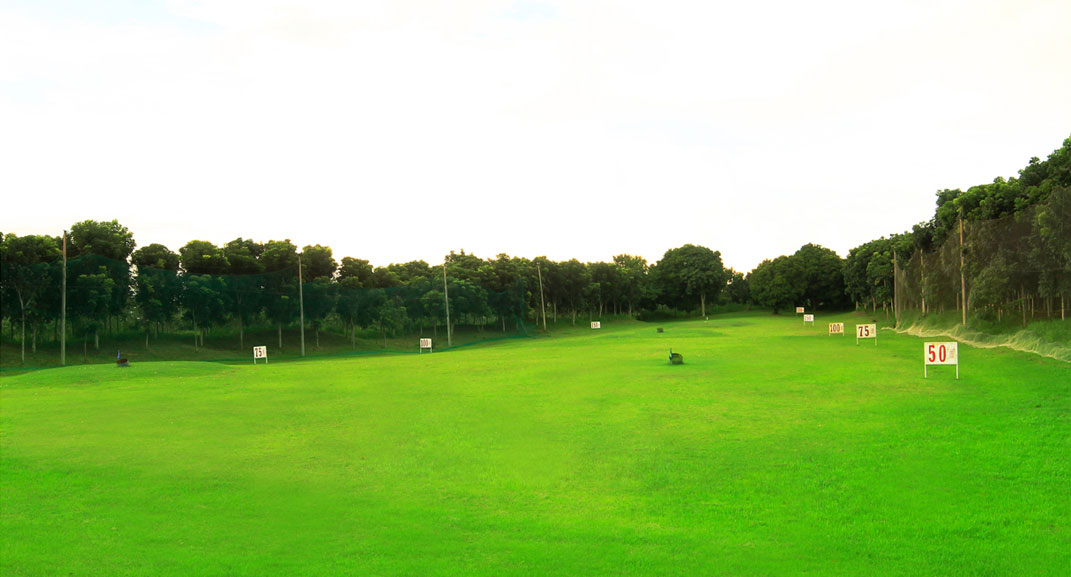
{"type": "Point", "coordinates": [774, 450]}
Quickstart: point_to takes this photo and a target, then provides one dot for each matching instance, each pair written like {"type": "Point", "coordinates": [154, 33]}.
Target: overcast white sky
{"type": "Point", "coordinates": [399, 130]}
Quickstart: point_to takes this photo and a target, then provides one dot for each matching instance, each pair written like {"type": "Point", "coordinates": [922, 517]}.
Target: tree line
{"type": "Point", "coordinates": [112, 285]}
{"type": "Point", "coordinates": [987, 252]}
{"type": "Point", "coordinates": [990, 250]}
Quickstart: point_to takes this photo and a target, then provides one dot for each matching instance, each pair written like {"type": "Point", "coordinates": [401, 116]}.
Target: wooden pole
{"type": "Point", "coordinates": [63, 308]}
{"type": "Point", "coordinates": [895, 295]}
{"type": "Point", "coordinates": [542, 303]}
{"type": "Point", "coordinates": [446, 297]}
{"type": "Point", "coordinates": [301, 304]}
{"type": "Point", "coordinates": [962, 276]}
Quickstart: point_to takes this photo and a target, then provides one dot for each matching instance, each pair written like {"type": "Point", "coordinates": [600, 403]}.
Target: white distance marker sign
{"type": "Point", "coordinates": [260, 353]}
{"type": "Point", "coordinates": [808, 319]}
{"type": "Point", "coordinates": [799, 310]}
{"type": "Point", "coordinates": [940, 354]}
{"type": "Point", "coordinates": [596, 325]}
{"type": "Point", "coordinates": [866, 332]}
{"type": "Point", "coordinates": [836, 328]}
{"type": "Point", "coordinates": [425, 344]}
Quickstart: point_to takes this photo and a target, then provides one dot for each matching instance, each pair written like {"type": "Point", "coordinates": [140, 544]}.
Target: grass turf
{"type": "Point", "coordinates": [775, 449]}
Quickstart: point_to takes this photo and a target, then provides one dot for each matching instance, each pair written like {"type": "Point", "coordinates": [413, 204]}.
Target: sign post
{"type": "Point", "coordinates": [808, 319]}
{"type": "Point", "coordinates": [940, 354]}
{"type": "Point", "coordinates": [425, 344]}
{"type": "Point", "coordinates": [260, 353]}
{"type": "Point", "coordinates": [866, 332]}
{"type": "Point", "coordinates": [596, 324]}
{"type": "Point", "coordinates": [836, 329]}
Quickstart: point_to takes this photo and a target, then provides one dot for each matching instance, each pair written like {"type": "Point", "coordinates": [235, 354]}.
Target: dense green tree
{"type": "Point", "coordinates": [203, 298]}
{"type": "Point", "coordinates": [103, 244]}
{"type": "Point", "coordinates": [25, 275]}
{"type": "Point", "coordinates": [157, 287]}
{"type": "Point", "coordinates": [317, 262]}
{"type": "Point", "coordinates": [777, 284]}
{"type": "Point", "coordinates": [823, 278]}
{"type": "Point", "coordinates": [633, 274]}
{"type": "Point", "coordinates": [200, 257]}
{"type": "Point", "coordinates": [690, 275]}
{"type": "Point", "coordinates": [358, 269]}
{"type": "Point", "coordinates": [280, 263]}
{"type": "Point", "coordinates": [245, 285]}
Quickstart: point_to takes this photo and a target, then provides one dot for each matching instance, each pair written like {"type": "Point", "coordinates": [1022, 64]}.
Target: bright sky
{"type": "Point", "coordinates": [400, 130]}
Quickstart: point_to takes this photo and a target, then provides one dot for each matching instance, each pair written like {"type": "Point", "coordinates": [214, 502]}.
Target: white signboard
{"type": "Point", "coordinates": [425, 344]}
{"type": "Point", "coordinates": [836, 328]}
{"type": "Point", "coordinates": [260, 353]}
{"type": "Point", "coordinates": [866, 332]}
{"type": "Point", "coordinates": [799, 310]}
{"type": "Point", "coordinates": [596, 325]}
{"type": "Point", "coordinates": [940, 354]}
{"type": "Point", "coordinates": [808, 319]}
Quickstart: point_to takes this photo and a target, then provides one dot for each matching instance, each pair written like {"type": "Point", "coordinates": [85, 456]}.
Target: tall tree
{"type": "Point", "coordinates": [157, 287]}
{"type": "Point", "coordinates": [691, 275]}
{"type": "Point", "coordinates": [104, 244]}
{"type": "Point", "coordinates": [25, 274]}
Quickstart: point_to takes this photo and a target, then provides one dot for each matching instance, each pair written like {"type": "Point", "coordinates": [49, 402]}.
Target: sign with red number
{"type": "Point", "coordinates": [939, 354]}
{"type": "Point", "coordinates": [425, 343]}
{"type": "Point", "coordinates": [799, 310]}
{"type": "Point", "coordinates": [836, 328]}
{"type": "Point", "coordinates": [260, 353]}
{"type": "Point", "coordinates": [866, 331]}
{"type": "Point", "coordinates": [942, 354]}
{"type": "Point", "coordinates": [596, 325]}
{"type": "Point", "coordinates": [808, 319]}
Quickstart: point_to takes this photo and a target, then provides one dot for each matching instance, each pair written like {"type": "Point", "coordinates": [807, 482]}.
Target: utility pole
{"type": "Point", "coordinates": [63, 308]}
{"type": "Point", "coordinates": [895, 295]}
{"type": "Point", "coordinates": [301, 304]}
{"type": "Point", "coordinates": [446, 297]}
{"type": "Point", "coordinates": [542, 303]}
{"type": "Point", "coordinates": [962, 276]}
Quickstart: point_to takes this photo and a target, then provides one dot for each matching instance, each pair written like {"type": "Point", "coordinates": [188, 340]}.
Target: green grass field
{"type": "Point", "coordinates": [774, 450]}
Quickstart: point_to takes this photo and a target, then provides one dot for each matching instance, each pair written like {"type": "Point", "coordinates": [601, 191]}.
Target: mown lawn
{"type": "Point", "coordinates": [774, 450]}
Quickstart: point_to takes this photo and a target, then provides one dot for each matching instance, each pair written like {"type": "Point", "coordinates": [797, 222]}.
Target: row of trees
{"type": "Point", "coordinates": [987, 251]}
{"type": "Point", "coordinates": [246, 283]}
{"type": "Point", "coordinates": [990, 250]}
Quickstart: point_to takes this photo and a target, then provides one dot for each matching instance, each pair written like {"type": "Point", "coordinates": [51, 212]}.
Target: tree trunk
{"type": "Point", "coordinates": [280, 325]}
{"type": "Point", "coordinates": [703, 304]}
{"type": "Point", "coordinates": [317, 339]}
{"type": "Point", "coordinates": [85, 348]}
{"type": "Point", "coordinates": [146, 339]}
{"type": "Point", "coordinates": [195, 347]}
{"type": "Point", "coordinates": [22, 341]}
{"type": "Point", "coordinates": [33, 339]}
{"type": "Point", "coordinates": [1022, 302]}
{"type": "Point", "coordinates": [96, 340]}
{"type": "Point", "coordinates": [241, 333]}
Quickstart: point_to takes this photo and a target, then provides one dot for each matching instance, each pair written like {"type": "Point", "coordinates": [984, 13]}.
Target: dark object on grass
{"type": "Point", "coordinates": [659, 329]}
{"type": "Point", "coordinates": [675, 358]}
{"type": "Point", "coordinates": [122, 363]}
